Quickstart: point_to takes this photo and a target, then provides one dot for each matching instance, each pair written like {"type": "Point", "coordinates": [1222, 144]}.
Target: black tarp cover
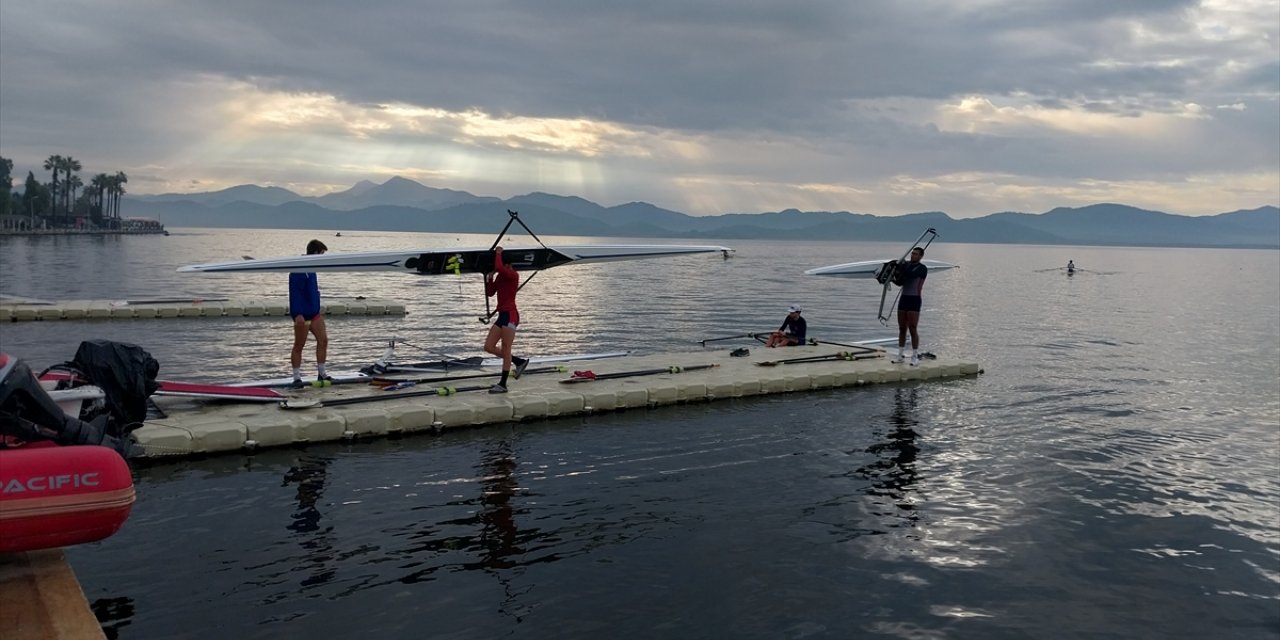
{"type": "Point", "coordinates": [126, 372]}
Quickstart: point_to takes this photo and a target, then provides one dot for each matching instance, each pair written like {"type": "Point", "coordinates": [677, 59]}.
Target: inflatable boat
{"type": "Point", "coordinates": [52, 496]}
{"type": "Point", "coordinates": [64, 479]}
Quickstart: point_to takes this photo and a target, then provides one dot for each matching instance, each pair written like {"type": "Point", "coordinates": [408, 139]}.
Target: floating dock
{"type": "Point", "coordinates": [42, 600]}
{"type": "Point", "coordinates": [28, 310]}
{"type": "Point", "coordinates": [206, 427]}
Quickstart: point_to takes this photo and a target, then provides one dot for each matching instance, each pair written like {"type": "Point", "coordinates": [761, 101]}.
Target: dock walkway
{"type": "Point", "coordinates": [26, 310]}
{"type": "Point", "coordinates": [205, 427]}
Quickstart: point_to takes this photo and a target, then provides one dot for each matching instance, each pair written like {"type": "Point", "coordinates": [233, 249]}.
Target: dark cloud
{"type": "Point", "coordinates": [121, 82]}
{"type": "Point", "coordinates": [671, 64]}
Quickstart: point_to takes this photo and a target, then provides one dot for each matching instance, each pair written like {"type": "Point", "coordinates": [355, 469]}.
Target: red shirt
{"type": "Point", "coordinates": [504, 284]}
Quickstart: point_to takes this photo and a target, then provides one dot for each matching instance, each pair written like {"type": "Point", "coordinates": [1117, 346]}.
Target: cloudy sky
{"type": "Point", "coordinates": [702, 106]}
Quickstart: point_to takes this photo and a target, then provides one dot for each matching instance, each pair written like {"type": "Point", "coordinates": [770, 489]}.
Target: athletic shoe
{"type": "Point", "coordinates": [896, 359]}
{"type": "Point", "coordinates": [323, 381]}
{"type": "Point", "coordinates": [915, 360]}
{"type": "Point", "coordinates": [297, 384]}
{"type": "Point", "coordinates": [520, 368]}
{"type": "Point", "coordinates": [497, 388]}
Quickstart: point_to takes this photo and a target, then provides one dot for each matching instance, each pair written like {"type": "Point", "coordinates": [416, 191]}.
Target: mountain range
{"type": "Point", "coordinates": [400, 204]}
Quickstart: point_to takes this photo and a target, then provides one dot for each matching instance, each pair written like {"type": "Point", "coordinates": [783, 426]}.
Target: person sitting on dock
{"type": "Point", "coordinates": [791, 333]}
{"type": "Point", "coordinates": [304, 307]}
{"type": "Point", "coordinates": [503, 282]}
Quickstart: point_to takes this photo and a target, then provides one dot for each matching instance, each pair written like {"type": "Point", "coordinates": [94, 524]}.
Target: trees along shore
{"type": "Point", "coordinates": [66, 204]}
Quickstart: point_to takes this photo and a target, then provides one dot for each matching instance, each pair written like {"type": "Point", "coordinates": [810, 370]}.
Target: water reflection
{"type": "Point", "coordinates": [310, 474]}
{"type": "Point", "coordinates": [488, 539]}
{"type": "Point", "coordinates": [114, 614]}
{"type": "Point", "coordinates": [489, 532]}
{"type": "Point", "coordinates": [494, 536]}
{"type": "Point", "coordinates": [498, 535]}
{"type": "Point", "coordinates": [893, 471]}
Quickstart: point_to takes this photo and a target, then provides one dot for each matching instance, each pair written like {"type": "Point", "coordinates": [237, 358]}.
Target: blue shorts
{"type": "Point", "coordinates": [508, 319]}
{"type": "Point", "coordinates": [910, 303]}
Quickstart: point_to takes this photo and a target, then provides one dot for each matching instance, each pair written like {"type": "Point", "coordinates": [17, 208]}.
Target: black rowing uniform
{"type": "Point", "coordinates": [913, 275]}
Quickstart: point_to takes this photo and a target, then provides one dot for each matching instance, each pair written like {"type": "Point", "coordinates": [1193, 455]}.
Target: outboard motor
{"type": "Point", "coordinates": [27, 413]}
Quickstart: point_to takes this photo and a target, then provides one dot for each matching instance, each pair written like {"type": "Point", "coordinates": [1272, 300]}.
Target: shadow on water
{"type": "Point", "coordinates": [114, 614]}
{"type": "Point", "coordinates": [893, 471]}
{"type": "Point", "coordinates": [488, 532]}
{"type": "Point", "coordinates": [310, 474]}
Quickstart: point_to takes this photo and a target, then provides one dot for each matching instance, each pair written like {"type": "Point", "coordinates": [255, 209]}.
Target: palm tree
{"type": "Point", "coordinates": [73, 184]}
{"type": "Point", "coordinates": [69, 165]}
{"type": "Point", "coordinates": [111, 196]}
{"type": "Point", "coordinates": [54, 164]}
{"type": "Point", "coordinates": [119, 179]}
{"type": "Point", "coordinates": [99, 187]}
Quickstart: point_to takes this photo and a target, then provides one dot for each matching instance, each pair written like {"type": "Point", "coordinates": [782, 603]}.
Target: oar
{"type": "Point", "coordinates": [384, 382]}
{"type": "Point", "coordinates": [588, 376]}
{"type": "Point", "coordinates": [737, 337]}
{"type": "Point", "coordinates": [295, 403]}
{"type": "Point", "coordinates": [843, 355]}
{"type": "Point", "coordinates": [861, 347]}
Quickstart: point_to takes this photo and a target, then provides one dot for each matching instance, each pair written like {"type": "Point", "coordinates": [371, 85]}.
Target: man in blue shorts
{"type": "Point", "coordinates": [305, 309]}
{"type": "Point", "coordinates": [911, 277]}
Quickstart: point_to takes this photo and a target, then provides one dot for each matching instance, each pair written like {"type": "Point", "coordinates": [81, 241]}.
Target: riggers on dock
{"type": "Point", "coordinates": [661, 379]}
{"type": "Point", "coordinates": [26, 311]}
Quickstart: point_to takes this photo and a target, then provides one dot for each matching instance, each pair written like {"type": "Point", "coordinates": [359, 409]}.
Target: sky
{"type": "Point", "coordinates": [701, 106]}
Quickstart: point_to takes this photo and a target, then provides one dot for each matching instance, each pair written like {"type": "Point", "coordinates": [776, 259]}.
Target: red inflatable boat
{"type": "Point", "coordinates": [63, 475]}
{"type": "Point", "coordinates": [52, 496]}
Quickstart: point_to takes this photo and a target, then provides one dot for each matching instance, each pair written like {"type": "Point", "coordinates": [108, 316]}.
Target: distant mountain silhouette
{"type": "Point", "coordinates": [400, 204]}
{"type": "Point", "coordinates": [396, 191]}
{"type": "Point", "coordinates": [242, 193]}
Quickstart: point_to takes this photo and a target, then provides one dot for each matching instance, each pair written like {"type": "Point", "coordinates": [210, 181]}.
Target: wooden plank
{"type": "Point", "coordinates": [42, 600]}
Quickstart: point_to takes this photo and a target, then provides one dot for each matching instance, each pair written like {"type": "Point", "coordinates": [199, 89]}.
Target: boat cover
{"type": "Point", "coordinates": [126, 374]}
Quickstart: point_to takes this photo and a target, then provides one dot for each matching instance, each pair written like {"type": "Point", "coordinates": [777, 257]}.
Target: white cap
{"type": "Point", "coordinates": [795, 308]}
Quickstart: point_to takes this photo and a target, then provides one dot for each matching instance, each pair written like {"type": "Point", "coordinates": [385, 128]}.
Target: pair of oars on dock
{"type": "Point", "coordinates": [868, 354]}
{"type": "Point", "coordinates": [811, 342]}
{"type": "Point", "coordinates": [577, 377]}
{"type": "Point", "coordinates": [861, 351]}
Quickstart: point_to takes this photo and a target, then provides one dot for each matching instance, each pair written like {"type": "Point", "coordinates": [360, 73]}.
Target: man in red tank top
{"type": "Point", "coordinates": [503, 282]}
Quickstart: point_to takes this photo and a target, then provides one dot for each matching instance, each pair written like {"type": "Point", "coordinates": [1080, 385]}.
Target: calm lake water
{"type": "Point", "coordinates": [1115, 472]}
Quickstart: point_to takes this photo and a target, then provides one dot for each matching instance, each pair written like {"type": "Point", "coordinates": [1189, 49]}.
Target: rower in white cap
{"type": "Point", "coordinates": [792, 331]}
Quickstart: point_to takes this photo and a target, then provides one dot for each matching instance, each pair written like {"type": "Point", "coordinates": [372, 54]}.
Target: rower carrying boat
{"type": "Point", "coordinates": [890, 274]}
{"type": "Point", "coordinates": [884, 271]}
